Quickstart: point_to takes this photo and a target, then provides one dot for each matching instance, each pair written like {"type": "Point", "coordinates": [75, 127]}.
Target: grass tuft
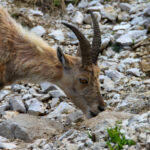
{"type": "Point", "coordinates": [116, 140]}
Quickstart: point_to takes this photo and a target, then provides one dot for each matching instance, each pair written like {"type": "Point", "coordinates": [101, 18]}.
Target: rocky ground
{"type": "Point", "coordinates": [41, 117]}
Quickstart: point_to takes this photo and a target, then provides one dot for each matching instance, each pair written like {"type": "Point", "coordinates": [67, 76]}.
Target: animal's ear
{"type": "Point", "coordinates": [62, 58]}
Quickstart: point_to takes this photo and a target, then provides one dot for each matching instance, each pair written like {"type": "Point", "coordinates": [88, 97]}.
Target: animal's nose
{"type": "Point", "coordinates": [101, 108]}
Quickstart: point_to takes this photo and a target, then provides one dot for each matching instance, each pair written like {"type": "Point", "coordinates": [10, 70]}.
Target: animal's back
{"type": "Point", "coordinates": [14, 38]}
{"type": "Point", "coordinates": [8, 33]}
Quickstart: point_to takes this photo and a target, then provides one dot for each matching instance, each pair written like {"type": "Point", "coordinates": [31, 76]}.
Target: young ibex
{"type": "Point", "coordinates": [25, 56]}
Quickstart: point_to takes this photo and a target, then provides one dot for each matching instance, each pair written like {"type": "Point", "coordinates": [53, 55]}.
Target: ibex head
{"type": "Point", "coordinates": [80, 74]}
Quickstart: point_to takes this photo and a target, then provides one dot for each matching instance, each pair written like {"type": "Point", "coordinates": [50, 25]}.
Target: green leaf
{"type": "Point", "coordinates": [117, 138]}
{"type": "Point", "coordinates": [57, 2]}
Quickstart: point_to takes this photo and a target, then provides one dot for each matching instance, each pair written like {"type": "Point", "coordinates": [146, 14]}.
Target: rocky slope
{"type": "Point", "coordinates": [41, 117]}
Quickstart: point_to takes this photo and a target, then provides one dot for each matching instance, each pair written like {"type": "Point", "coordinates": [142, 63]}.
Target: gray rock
{"type": "Point", "coordinates": [17, 104]}
{"type": "Point", "coordinates": [81, 145]}
{"type": "Point", "coordinates": [34, 92]}
{"type": "Point", "coordinates": [99, 146]}
{"type": "Point", "coordinates": [108, 84]}
{"type": "Point", "coordinates": [142, 137]}
{"type": "Point", "coordinates": [135, 82]}
{"type": "Point", "coordinates": [135, 34]}
{"type": "Point", "coordinates": [96, 8]}
{"type": "Point", "coordinates": [72, 36]}
{"type": "Point", "coordinates": [134, 71]}
{"type": "Point", "coordinates": [125, 7]}
{"type": "Point", "coordinates": [27, 96]}
{"type": "Point", "coordinates": [38, 30]}
{"type": "Point", "coordinates": [54, 102]}
{"type": "Point", "coordinates": [109, 52]}
{"type": "Point", "coordinates": [118, 33]}
{"type": "Point", "coordinates": [88, 19]}
{"type": "Point", "coordinates": [121, 27]}
{"type": "Point", "coordinates": [138, 119]}
{"type": "Point", "coordinates": [132, 148]}
{"type": "Point", "coordinates": [78, 17]}
{"type": "Point", "coordinates": [71, 146]}
{"type": "Point", "coordinates": [3, 139]}
{"type": "Point", "coordinates": [121, 67]}
{"type": "Point", "coordinates": [70, 7]}
{"type": "Point", "coordinates": [57, 93]}
{"type": "Point", "coordinates": [4, 107]}
{"type": "Point", "coordinates": [63, 107]}
{"type": "Point", "coordinates": [137, 20]}
{"type": "Point", "coordinates": [124, 16]}
{"type": "Point", "coordinates": [114, 74]}
{"type": "Point", "coordinates": [35, 107]}
{"type": "Point", "coordinates": [148, 140]}
{"type": "Point", "coordinates": [4, 93]}
{"type": "Point", "coordinates": [66, 134]}
{"type": "Point", "coordinates": [146, 23]}
{"type": "Point", "coordinates": [36, 12]}
{"type": "Point", "coordinates": [132, 36]}
{"type": "Point", "coordinates": [46, 87]}
{"type": "Point", "coordinates": [17, 87]}
{"type": "Point", "coordinates": [57, 35]}
{"type": "Point", "coordinates": [130, 61]}
{"type": "Point", "coordinates": [94, 2]}
{"type": "Point", "coordinates": [7, 146]}
{"type": "Point", "coordinates": [147, 81]}
{"type": "Point", "coordinates": [109, 13]}
{"type": "Point", "coordinates": [27, 127]}
{"type": "Point", "coordinates": [47, 147]}
{"type": "Point", "coordinates": [105, 42]}
{"type": "Point", "coordinates": [83, 4]}
{"type": "Point", "coordinates": [89, 142]}
{"type": "Point", "coordinates": [45, 97]}
{"type": "Point", "coordinates": [124, 40]}
{"type": "Point", "coordinates": [147, 12]}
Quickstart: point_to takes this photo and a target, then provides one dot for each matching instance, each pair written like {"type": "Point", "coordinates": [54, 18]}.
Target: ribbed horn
{"type": "Point", "coordinates": [96, 43]}
{"type": "Point", "coordinates": [85, 46]}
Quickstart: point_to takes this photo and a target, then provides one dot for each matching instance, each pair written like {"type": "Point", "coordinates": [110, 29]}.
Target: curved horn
{"type": "Point", "coordinates": [96, 43]}
{"type": "Point", "coordinates": [85, 46]}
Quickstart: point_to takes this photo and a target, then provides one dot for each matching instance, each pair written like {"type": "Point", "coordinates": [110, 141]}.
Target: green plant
{"type": "Point", "coordinates": [57, 2]}
{"type": "Point", "coordinates": [133, 43]}
{"type": "Point", "coordinates": [89, 134]}
{"type": "Point", "coordinates": [116, 47]}
{"type": "Point", "coordinates": [116, 140]}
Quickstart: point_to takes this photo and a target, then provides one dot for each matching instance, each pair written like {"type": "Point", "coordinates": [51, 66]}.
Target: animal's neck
{"type": "Point", "coordinates": [41, 66]}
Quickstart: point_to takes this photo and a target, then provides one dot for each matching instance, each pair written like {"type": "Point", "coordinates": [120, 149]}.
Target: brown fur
{"type": "Point", "coordinates": [24, 56]}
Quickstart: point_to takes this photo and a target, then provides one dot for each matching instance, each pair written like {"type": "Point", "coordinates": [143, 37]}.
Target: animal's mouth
{"type": "Point", "coordinates": [94, 114]}
{"type": "Point", "coordinates": [101, 108]}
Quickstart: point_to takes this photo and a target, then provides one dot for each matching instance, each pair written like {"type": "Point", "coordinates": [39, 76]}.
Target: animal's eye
{"type": "Point", "coordinates": [83, 81]}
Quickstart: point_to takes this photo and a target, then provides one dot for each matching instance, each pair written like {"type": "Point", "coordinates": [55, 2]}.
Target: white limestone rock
{"type": "Point", "coordinates": [63, 107]}
{"type": "Point", "coordinates": [57, 35]}
{"type": "Point", "coordinates": [134, 71]}
{"type": "Point", "coordinates": [38, 30]}
{"type": "Point", "coordinates": [78, 17]}
{"type": "Point", "coordinates": [125, 7]}
{"type": "Point", "coordinates": [35, 107]}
